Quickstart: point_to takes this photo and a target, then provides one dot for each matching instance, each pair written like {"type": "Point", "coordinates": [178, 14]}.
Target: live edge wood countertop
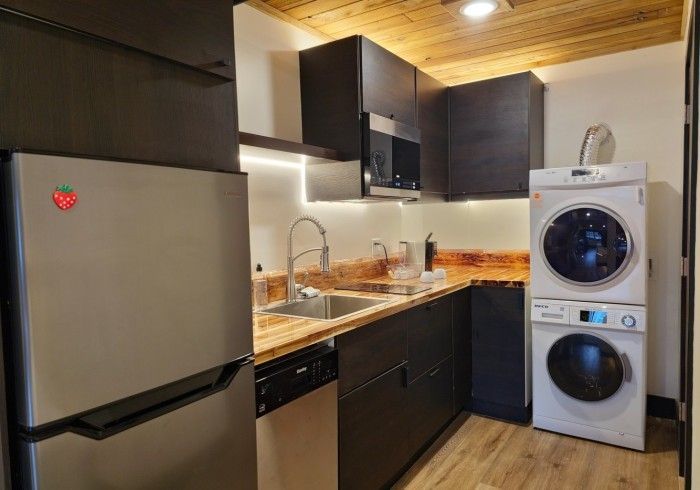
{"type": "Point", "coordinates": [275, 336]}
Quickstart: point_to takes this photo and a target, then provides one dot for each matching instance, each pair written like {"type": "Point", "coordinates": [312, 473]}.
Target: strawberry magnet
{"type": "Point", "coordinates": [65, 197]}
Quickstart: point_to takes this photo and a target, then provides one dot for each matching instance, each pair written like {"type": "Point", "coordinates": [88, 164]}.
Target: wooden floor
{"type": "Point", "coordinates": [481, 453]}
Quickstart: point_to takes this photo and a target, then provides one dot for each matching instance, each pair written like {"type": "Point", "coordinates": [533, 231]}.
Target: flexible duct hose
{"type": "Point", "coordinates": [595, 136]}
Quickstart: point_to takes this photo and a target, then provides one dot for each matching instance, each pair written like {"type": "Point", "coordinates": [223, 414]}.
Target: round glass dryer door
{"type": "Point", "coordinates": [586, 245]}
{"type": "Point", "coordinates": [585, 367]}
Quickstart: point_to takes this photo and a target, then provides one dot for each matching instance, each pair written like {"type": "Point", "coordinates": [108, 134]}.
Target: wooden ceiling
{"type": "Point", "coordinates": [519, 36]}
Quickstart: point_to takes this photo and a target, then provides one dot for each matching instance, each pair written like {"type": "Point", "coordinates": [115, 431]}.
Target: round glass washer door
{"type": "Point", "coordinates": [586, 245]}
{"type": "Point", "coordinates": [585, 367]}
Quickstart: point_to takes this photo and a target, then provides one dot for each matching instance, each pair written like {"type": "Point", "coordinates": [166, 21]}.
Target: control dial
{"type": "Point", "coordinates": [629, 321]}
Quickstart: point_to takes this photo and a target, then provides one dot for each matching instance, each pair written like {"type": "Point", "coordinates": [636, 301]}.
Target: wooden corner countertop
{"type": "Point", "coordinates": [275, 336]}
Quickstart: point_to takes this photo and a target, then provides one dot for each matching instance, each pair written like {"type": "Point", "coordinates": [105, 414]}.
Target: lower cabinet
{"type": "Point", "coordinates": [500, 353]}
{"type": "Point", "coordinates": [373, 432]}
{"type": "Point", "coordinates": [462, 348]}
{"type": "Point", "coordinates": [430, 404]}
{"type": "Point", "coordinates": [396, 393]}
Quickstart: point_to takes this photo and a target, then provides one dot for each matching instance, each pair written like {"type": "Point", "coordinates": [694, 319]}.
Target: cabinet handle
{"type": "Point", "coordinates": [431, 306]}
{"type": "Point", "coordinates": [215, 64]}
{"type": "Point", "coordinates": [432, 373]}
{"type": "Point", "coordinates": [404, 371]}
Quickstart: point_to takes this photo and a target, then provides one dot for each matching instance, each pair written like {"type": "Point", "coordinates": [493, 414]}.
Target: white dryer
{"type": "Point", "coordinates": [588, 233]}
{"type": "Point", "coordinates": [589, 370]}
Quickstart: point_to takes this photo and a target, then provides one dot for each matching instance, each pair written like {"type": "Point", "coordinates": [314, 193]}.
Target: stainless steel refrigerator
{"type": "Point", "coordinates": [127, 325]}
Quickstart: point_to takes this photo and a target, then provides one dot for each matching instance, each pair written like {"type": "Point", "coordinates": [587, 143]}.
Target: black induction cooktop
{"type": "Point", "coordinates": [374, 287]}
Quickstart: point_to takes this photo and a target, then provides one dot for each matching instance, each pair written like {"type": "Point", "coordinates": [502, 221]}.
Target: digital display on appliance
{"type": "Point", "coordinates": [578, 172]}
{"type": "Point", "coordinates": [594, 316]}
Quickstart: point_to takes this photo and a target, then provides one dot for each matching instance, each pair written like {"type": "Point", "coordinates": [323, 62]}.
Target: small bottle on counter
{"type": "Point", "coordinates": [260, 296]}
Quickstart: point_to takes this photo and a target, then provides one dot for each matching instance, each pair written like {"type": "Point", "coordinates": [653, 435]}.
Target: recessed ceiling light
{"type": "Point", "coordinates": [478, 8]}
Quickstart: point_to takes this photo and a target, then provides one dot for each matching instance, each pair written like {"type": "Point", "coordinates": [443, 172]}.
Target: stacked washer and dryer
{"type": "Point", "coordinates": [589, 290]}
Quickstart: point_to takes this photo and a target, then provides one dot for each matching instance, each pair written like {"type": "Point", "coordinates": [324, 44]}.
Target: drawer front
{"type": "Point", "coordinates": [429, 335]}
{"type": "Point", "coordinates": [374, 432]}
{"type": "Point", "coordinates": [369, 351]}
{"type": "Point", "coordinates": [430, 404]}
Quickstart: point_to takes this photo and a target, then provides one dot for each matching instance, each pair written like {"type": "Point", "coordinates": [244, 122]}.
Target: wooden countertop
{"type": "Point", "coordinates": [275, 336]}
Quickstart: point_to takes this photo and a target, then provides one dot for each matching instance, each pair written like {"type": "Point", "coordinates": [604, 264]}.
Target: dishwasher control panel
{"type": "Point", "coordinates": [282, 381]}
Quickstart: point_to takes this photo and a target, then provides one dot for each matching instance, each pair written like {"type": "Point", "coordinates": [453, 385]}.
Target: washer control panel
{"type": "Point", "coordinates": [590, 315]}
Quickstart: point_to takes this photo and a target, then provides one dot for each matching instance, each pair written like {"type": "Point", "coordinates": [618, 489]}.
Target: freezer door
{"type": "Point", "coordinates": [209, 444]}
{"type": "Point", "coordinates": [144, 281]}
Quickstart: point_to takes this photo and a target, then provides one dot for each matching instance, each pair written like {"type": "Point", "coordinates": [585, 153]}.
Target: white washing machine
{"type": "Point", "coordinates": [588, 233]}
{"type": "Point", "coordinates": [589, 370]}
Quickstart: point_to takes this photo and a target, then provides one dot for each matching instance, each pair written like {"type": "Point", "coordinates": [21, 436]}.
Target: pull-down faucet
{"type": "Point", "coordinates": [325, 267]}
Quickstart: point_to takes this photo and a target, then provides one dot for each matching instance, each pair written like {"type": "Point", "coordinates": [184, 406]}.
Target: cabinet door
{"type": "Point", "coordinates": [430, 404]}
{"type": "Point", "coordinates": [462, 349]}
{"type": "Point", "coordinates": [367, 352]}
{"type": "Point", "coordinates": [495, 135]}
{"type": "Point", "coordinates": [432, 120]}
{"type": "Point", "coordinates": [388, 84]}
{"type": "Point", "coordinates": [89, 97]}
{"type": "Point", "coordinates": [498, 345]}
{"type": "Point", "coordinates": [429, 335]}
{"type": "Point", "coordinates": [197, 33]}
{"type": "Point", "coordinates": [374, 433]}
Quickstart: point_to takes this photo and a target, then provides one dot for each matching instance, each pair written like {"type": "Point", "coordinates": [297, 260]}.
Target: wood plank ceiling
{"type": "Point", "coordinates": [455, 49]}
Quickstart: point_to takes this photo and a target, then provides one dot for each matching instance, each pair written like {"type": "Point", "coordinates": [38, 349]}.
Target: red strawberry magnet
{"type": "Point", "coordinates": [65, 197]}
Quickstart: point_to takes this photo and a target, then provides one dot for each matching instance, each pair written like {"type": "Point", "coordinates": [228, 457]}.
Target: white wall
{"type": "Point", "coordinates": [267, 72]}
{"type": "Point", "coordinates": [640, 95]}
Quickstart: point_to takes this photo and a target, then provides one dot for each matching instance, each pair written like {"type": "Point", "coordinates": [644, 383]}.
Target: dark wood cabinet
{"type": "Point", "coordinates": [429, 335]}
{"type": "Point", "coordinates": [388, 84]}
{"type": "Point", "coordinates": [430, 404]}
{"type": "Point", "coordinates": [199, 34]}
{"type": "Point", "coordinates": [432, 119]}
{"type": "Point", "coordinates": [65, 92]}
{"type": "Point", "coordinates": [343, 78]}
{"type": "Point", "coordinates": [500, 357]}
{"type": "Point", "coordinates": [369, 351]}
{"type": "Point", "coordinates": [374, 433]}
{"type": "Point", "coordinates": [462, 349]}
{"type": "Point", "coordinates": [496, 136]}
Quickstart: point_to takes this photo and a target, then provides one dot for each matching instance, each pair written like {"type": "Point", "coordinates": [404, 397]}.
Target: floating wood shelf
{"type": "Point", "coordinates": [269, 143]}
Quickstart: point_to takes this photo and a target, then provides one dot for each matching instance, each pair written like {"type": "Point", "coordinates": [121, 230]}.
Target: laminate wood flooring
{"type": "Point", "coordinates": [481, 453]}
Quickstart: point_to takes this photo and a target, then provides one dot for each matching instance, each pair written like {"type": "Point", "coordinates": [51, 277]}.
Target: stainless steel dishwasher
{"type": "Point", "coordinates": [297, 425]}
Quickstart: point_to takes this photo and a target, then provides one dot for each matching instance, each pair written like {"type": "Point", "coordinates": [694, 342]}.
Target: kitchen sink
{"type": "Point", "coordinates": [327, 307]}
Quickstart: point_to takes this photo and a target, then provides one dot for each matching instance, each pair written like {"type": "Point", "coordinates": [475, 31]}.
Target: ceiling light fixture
{"type": "Point", "coordinates": [478, 8]}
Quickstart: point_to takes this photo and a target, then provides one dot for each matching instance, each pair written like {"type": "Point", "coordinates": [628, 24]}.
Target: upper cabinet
{"type": "Point", "coordinates": [388, 84]}
{"type": "Point", "coordinates": [432, 120]}
{"type": "Point", "coordinates": [341, 79]}
{"type": "Point", "coordinates": [199, 34]}
{"type": "Point", "coordinates": [496, 136]}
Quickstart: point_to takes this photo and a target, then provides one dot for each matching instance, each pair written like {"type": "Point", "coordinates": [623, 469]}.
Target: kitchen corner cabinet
{"type": "Point", "coordinates": [496, 136]}
{"type": "Point", "coordinates": [499, 353]}
{"type": "Point", "coordinates": [199, 34]}
{"type": "Point", "coordinates": [343, 78]}
{"type": "Point", "coordinates": [432, 119]}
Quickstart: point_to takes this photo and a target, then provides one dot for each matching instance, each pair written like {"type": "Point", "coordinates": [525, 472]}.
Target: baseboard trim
{"type": "Point", "coordinates": [660, 406]}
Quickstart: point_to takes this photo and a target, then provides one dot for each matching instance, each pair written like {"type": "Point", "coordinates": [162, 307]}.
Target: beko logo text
{"type": "Point", "coordinates": [541, 306]}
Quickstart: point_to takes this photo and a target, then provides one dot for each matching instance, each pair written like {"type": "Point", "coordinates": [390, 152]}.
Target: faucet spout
{"type": "Point", "coordinates": [324, 260]}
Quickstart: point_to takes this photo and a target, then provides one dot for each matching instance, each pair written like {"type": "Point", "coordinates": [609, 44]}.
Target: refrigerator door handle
{"type": "Point", "coordinates": [111, 419]}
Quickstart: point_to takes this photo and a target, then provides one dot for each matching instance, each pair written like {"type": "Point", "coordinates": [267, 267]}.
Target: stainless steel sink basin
{"type": "Point", "coordinates": [326, 307]}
